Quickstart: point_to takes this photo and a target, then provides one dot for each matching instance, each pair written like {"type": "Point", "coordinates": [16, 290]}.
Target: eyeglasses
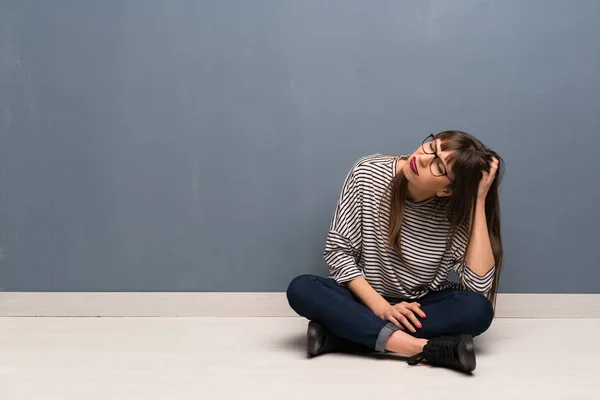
{"type": "Point", "coordinates": [437, 166]}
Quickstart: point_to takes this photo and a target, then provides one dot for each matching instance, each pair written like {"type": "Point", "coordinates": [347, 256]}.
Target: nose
{"type": "Point", "coordinates": [425, 159]}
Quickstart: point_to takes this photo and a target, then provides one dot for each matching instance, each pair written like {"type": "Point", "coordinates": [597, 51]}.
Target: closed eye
{"type": "Point", "coordinates": [438, 167]}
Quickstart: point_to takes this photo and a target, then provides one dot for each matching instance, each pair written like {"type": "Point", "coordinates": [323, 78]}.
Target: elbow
{"type": "Point", "coordinates": [479, 283]}
{"type": "Point", "coordinates": [481, 270]}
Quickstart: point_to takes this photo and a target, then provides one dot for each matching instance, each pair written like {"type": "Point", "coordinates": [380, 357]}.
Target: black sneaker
{"type": "Point", "coordinates": [319, 340]}
{"type": "Point", "coordinates": [457, 352]}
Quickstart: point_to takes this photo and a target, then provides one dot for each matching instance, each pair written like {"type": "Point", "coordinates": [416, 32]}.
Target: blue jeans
{"type": "Point", "coordinates": [448, 312]}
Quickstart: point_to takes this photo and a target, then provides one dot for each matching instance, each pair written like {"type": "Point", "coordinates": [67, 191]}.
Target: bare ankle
{"type": "Point", "coordinates": [402, 343]}
{"type": "Point", "coordinates": [418, 346]}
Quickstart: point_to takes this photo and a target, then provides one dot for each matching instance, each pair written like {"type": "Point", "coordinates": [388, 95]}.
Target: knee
{"type": "Point", "coordinates": [298, 289]}
{"type": "Point", "coordinates": [479, 313]}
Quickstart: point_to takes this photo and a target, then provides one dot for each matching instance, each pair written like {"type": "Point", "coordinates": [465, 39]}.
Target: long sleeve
{"type": "Point", "coordinates": [344, 240]}
{"type": "Point", "coordinates": [472, 281]}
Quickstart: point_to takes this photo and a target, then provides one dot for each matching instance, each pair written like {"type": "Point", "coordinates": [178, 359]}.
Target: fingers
{"type": "Point", "coordinates": [406, 318]}
{"type": "Point", "coordinates": [494, 164]}
{"type": "Point", "coordinates": [488, 176]}
{"type": "Point", "coordinates": [394, 321]}
{"type": "Point", "coordinates": [416, 308]}
{"type": "Point", "coordinates": [405, 321]}
{"type": "Point", "coordinates": [411, 316]}
{"type": "Point", "coordinates": [406, 313]}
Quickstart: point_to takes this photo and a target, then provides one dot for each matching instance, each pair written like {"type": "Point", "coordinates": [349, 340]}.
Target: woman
{"type": "Point", "coordinates": [401, 226]}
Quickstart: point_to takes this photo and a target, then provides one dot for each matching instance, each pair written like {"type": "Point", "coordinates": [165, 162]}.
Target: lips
{"type": "Point", "coordinates": [413, 165]}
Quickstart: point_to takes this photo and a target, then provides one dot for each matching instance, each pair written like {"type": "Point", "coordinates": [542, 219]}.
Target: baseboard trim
{"type": "Point", "coordinates": [255, 304]}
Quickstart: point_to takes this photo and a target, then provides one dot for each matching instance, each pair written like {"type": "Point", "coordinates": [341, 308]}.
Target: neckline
{"type": "Point", "coordinates": [409, 202]}
{"type": "Point", "coordinates": [420, 203]}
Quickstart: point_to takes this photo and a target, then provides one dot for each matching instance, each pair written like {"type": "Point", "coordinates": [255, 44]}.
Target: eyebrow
{"type": "Point", "coordinates": [439, 148]}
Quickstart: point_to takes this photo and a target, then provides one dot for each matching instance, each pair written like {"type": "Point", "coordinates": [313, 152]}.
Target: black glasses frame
{"type": "Point", "coordinates": [441, 165]}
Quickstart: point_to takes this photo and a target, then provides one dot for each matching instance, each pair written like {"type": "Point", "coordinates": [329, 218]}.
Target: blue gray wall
{"type": "Point", "coordinates": [177, 145]}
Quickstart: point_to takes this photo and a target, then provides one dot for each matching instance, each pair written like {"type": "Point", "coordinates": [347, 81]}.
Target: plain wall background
{"type": "Point", "coordinates": [177, 145]}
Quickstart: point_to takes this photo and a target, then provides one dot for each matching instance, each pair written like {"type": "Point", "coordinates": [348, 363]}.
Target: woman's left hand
{"type": "Point", "coordinates": [487, 179]}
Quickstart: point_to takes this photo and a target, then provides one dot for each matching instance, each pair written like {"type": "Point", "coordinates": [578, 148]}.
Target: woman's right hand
{"type": "Point", "coordinates": [404, 315]}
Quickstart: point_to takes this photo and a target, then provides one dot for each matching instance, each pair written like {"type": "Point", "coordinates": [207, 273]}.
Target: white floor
{"type": "Point", "coordinates": [263, 358]}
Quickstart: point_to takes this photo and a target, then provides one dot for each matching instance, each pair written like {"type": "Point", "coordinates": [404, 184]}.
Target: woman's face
{"type": "Point", "coordinates": [425, 170]}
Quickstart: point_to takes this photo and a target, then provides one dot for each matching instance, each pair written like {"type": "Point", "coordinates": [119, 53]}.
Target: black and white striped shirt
{"type": "Point", "coordinates": [357, 240]}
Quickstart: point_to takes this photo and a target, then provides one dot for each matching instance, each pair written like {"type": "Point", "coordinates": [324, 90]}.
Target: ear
{"type": "Point", "coordinates": [447, 191]}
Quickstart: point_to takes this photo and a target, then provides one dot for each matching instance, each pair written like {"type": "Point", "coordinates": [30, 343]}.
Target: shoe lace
{"type": "Point", "coordinates": [437, 351]}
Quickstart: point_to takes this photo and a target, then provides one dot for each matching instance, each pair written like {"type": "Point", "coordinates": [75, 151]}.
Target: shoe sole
{"type": "Point", "coordinates": [313, 339]}
{"type": "Point", "coordinates": [466, 353]}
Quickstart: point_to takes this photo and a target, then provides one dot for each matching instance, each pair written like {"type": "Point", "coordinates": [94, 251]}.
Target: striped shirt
{"type": "Point", "coordinates": [357, 240]}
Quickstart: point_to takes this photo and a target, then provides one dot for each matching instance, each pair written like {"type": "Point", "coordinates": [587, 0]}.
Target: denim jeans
{"type": "Point", "coordinates": [448, 312]}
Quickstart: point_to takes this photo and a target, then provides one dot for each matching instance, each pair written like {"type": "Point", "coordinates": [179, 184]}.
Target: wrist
{"type": "Point", "coordinates": [381, 309]}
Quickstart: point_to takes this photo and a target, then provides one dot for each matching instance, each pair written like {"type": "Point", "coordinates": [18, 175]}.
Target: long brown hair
{"type": "Point", "coordinates": [469, 157]}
